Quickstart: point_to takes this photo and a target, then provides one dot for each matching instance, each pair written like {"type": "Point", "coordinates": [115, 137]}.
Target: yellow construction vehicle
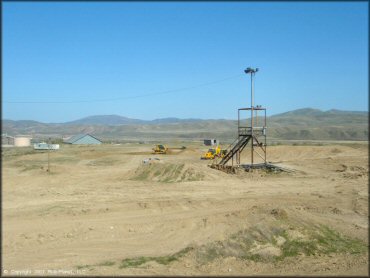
{"type": "Point", "coordinates": [213, 153]}
{"type": "Point", "coordinates": [160, 149]}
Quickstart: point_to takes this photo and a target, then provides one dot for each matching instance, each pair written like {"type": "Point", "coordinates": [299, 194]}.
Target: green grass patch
{"type": "Point", "coordinates": [322, 240]}
{"type": "Point", "coordinates": [135, 261]}
{"type": "Point", "coordinates": [293, 248]}
{"type": "Point", "coordinates": [310, 242]}
{"type": "Point", "coordinates": [91, 267]}
{"type": "Point", "coordinates": [85, 266]}
{"type": "Point", "coordinates": [331, 241]}
{"type": "Point", "coordinates": [165, 260]}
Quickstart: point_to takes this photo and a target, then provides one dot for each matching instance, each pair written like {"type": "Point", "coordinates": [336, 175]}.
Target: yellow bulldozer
{"type": "Point", "coordinates": [213, 153]}
{"type": "Point", "coordinates": [160, 149]}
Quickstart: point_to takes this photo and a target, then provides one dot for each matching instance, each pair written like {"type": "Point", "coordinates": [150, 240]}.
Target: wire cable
{"type": "Point", "coordinates": [128, 97]}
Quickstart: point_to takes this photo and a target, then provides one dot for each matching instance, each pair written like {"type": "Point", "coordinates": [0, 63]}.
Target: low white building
{"type": "Point", "coordinates": [45, 146]}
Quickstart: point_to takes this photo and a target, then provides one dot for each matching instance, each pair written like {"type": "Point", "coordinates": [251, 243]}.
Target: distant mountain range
{"type": "Point", "coordinates": [103, 120]}
{"type": "Point", "coordinates": [120, 120]}
{"type": "Point", "coordinates": [304, 123]}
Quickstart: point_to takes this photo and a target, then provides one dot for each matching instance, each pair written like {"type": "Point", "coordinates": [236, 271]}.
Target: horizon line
{"type": "Point", "coordinates": [202, 119]}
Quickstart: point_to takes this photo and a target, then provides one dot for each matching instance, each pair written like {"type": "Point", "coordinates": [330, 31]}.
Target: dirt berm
{"type": "Point", "coordinates": [167, 172]}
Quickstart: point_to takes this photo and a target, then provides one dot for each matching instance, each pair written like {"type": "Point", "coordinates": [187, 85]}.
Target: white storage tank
{"type": "Point", "coordinates": [22, 141]}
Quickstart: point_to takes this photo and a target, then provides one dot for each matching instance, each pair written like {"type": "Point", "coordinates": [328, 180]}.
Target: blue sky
{"type": "Point", "coordinates": [310, 54]}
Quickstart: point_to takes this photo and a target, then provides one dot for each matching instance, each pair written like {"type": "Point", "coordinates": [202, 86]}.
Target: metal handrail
{"type": "Point", "coordinates": [232, 145]}
{"type": "Point", "coordinates": [228, 149]}
{"type": "Point", "coordinates": [215, 161]}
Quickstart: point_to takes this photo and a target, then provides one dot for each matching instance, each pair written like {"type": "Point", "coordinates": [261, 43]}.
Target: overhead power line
{"type": "Point", "coordinates": [128, 97]}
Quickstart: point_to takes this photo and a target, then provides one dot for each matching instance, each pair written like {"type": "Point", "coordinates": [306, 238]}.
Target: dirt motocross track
{"type": "Point", "coordinates": [101, 211]}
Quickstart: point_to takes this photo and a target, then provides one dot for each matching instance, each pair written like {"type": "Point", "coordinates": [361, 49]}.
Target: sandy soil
{"type": "Point", "coordinates": [101, 205]}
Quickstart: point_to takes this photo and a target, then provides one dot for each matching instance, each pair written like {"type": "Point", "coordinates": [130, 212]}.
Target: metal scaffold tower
{"type": "Point", "coordinates": [252, 130]}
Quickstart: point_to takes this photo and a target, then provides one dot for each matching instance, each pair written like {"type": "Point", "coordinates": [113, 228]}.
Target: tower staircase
{"type": "Point", "coordinates": [235, 148]}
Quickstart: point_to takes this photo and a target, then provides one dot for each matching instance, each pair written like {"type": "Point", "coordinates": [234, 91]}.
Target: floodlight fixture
{"type": "Point", "coordinates": [250, 70]}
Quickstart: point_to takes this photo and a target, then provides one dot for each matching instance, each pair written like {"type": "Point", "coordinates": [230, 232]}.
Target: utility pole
{"type": "Point", "coordinates": [49, 155]}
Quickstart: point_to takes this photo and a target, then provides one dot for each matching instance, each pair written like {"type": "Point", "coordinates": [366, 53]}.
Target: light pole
{"type": "Point", "coordinates": [252, 72]}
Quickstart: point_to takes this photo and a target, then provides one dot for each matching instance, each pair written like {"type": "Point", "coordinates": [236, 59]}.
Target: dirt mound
{"type": "Point", "coordinates": [271, 243]}
{"type": "Point", "coordinates": [262, 243]}
{"type": "Point", "coordinates": [167, 172]}
{"type": "Point", "coordinates": [352, 172]}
